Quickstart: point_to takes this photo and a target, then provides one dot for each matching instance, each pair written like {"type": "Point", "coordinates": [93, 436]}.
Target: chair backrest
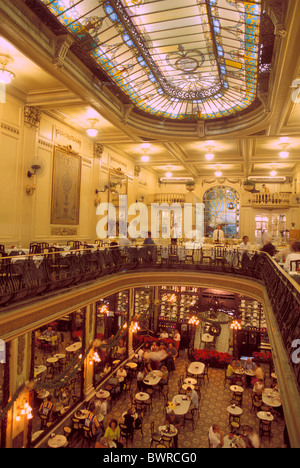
{"type": "Point", "coordinates": [294, 265]}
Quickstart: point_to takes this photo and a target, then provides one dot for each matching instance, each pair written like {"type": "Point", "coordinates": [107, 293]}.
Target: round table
{"type": "Point", "coordinates": [265, 416]}
{"type": "Point", "coordinates": [153, 378]}
{"type": "Point", "coordinates": [190, 381]}
{"type": "Point", "coordinates": [141, 396]}
{"type": "Point", "coordinates": [102, 394]}
{"type": "Point", "coordinates": [196, 368]}
{"type": "Point", "coordinates": [181, 405]}
{"type": "Point", "coordinates": [236, 388]}
{"type": "Point", "coordinates": [57, 441]}
{"type": "Point", "coordinates": [207, 338]}
{"type": "Point", "coordinates": [74, 347]}
{"type": "Point", "coordinates": [59, 356]}
{"type": "Point", "coordinates": [168, 433]}
{"type": "Point", "coordinates": [131, 365]}
{"type": "Point", "coordinates": [235, 411]}
{"type": "Point", "coordinates": [185, 386]}
{"type": "Point", "coordinates": [52, 360]}
{"type": "Point", "coordinates": [234, 442]}
{"type": "Point", "coordinates": [270, 398]}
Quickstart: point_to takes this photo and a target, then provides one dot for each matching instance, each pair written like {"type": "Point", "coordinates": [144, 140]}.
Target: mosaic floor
{"type": "Point", "coordinates": [214, 400]}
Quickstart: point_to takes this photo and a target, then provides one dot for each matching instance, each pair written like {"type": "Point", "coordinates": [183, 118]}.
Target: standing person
{"type": "Point", "coordinates": [91, 422]}
{"type": "Point", "coordinates": [193, 397]}
{"type": "Point", "coordinates": [215, 436]}
{"type": "Point", "coordinates": [218, 235]}
{"type": "Point", "coordinates": [177, 339]}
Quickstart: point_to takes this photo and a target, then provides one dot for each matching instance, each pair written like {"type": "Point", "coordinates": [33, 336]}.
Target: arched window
{"type": "Point", "coordinates": [221, 206]}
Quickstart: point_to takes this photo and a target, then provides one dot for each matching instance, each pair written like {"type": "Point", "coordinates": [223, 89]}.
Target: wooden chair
{"type": "Point", "coordinates": [265, 429]}
{"type": "Point", "coordinates": [173, 253]}
{"type": "Point", "coordinates": [294, 265]}
{"type": "Point", "coordinates": [155, 436]}
{"type": "Point", "coordinates": [190, 416]}
{"type": "Point", "coordinates": [125, 433]}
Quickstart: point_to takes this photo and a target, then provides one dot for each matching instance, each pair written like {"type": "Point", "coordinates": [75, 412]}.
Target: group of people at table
{"type": "Point", "coordinates": [236, 371]}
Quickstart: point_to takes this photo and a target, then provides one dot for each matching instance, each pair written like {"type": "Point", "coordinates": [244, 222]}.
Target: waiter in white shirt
{"type": "Point", "coordinates": [218, 235]}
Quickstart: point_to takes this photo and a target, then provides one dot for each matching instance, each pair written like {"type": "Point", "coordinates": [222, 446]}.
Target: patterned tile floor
{"type": "Point", "coordinates": [214, 400]}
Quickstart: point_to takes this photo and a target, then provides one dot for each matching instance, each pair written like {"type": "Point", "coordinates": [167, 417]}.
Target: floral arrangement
{"type": "Point", "coordinates": [138, 339]}
{"type": "Point", "coordinates": [213, 357]}
{"type": "Point", "coordinates": [262, 356]}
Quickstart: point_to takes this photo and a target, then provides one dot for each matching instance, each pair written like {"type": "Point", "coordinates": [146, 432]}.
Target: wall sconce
{"type": "Point", "coordinates": [24, 410]}
{"type": "Point", "coordinates": [35, 168]}
{"type": "Point", "coordinates": [194, 321]}
{"type": "Point", "coordinates": [30, 189]}
{"type": "Point", "coordinates": [235, 325]}
{"type": "Point", "coordinates": [92, 131]}
{"type": "Point", "coordinates": [6, 76]}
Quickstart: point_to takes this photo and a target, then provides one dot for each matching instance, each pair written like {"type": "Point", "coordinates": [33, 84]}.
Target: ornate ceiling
{"type": "Point", "coordinates": [189, 59]}
{"type": "Point", "coordinates": [62, 72]}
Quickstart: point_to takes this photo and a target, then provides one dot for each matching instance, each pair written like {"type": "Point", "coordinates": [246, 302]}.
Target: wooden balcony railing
{"type": "Point", "coordinates": [271, 199]}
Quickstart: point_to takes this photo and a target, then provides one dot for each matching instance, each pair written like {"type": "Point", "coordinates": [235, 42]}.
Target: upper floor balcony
{"type": "Point", "coordinates": [274, 200]}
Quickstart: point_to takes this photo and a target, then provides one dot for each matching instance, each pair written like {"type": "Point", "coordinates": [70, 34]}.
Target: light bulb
{"type": "Point", "coordinates": [273, 173]}
{"type": "Point", "coordinates": [92, 132]}
{"type": "Point", "coordinates": [209, 156]}
{"type": "Point", "coordinates": [145, 158]}
{"type": "Point", "coordinates": [218, 174]}
{"type": "Point", "coordinates": [168, 174]}
{"type": "Point", "coordinates": [284, 154]}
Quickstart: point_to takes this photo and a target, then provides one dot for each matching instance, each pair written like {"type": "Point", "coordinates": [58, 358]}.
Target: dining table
{"type": "Point", "coordinates": [168, 430]}
{"type": "Point", "coordinates": [142, 396]}
{"type": "Point", "coordinates": [153, 378]}
{"type": "Point", "coordinates": [103, 394]}
{"type": "Point", "coordinates": [57, 441]}
{"type": "Point", "coordinates": [265, 416]}
{"type": "Point", "coordinates": [190, 380]}
{"type": "Point", "coordinates": [236, 389]}
{"type": "Point", "coordinates": [234, 410]}
{"type": "Point", "coordinates": [180, 405]}
{"type": "Point", "coordinates": [271, 397]}
{"type": "Point", "coordinates": [196, 368]}
{"type": "Point", "coordinates": [74, 347]}
{"type": "Point", "coordinates": [233, 441]}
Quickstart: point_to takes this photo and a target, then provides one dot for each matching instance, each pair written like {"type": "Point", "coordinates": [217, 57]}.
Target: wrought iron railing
{"type": "Point", "coordinates": [25, 277]}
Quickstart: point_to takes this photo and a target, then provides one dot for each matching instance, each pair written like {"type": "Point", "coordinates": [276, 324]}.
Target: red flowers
{"type": "Point", "coordinates": [212, 356]}
{"type": "Point", "coordinates": [262, 356]}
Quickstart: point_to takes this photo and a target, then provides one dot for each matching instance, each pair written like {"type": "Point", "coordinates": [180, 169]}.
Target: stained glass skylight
{"type": "Point", "coordinates": [183, 59]}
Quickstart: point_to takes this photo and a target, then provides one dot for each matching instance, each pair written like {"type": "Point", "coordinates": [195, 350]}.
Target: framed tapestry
{"type": "Point", "coordinates": [65, 186]}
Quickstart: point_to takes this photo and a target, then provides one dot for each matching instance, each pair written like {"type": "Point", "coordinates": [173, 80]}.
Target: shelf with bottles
{"type": "Point", "coordinates": [177, 303]}
{"type": "Point", "coordinates": [252, 315]}
{"type": "Point", "coordinates": [122, 302]}
{"type": "Point", "coordinates": [143, 300]}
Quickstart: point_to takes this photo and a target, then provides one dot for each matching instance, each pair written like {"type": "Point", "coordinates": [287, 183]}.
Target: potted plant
{"type": "Point", "coordinates": [248, 185]}
{"type": "Point", "coordinates": [190, 185]}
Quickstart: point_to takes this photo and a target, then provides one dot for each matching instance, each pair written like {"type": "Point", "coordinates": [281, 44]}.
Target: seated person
{"type": "Point", "coordinates": [269, 247]}
{"type": "Point", "coordinates": [112, 433]}
{"type": "Point", "coordinates": [230, 373]}
{"type": "Point", "coordinates": [193, 397]}
{"type": "Point", "coordinates": [121, 372]}
{"type": "Point", "coordinates": [165, 376]}
{"type": "Point", "coordinates": [245, 245]}
{"type": "Point", "coordinates": [294, 255]}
